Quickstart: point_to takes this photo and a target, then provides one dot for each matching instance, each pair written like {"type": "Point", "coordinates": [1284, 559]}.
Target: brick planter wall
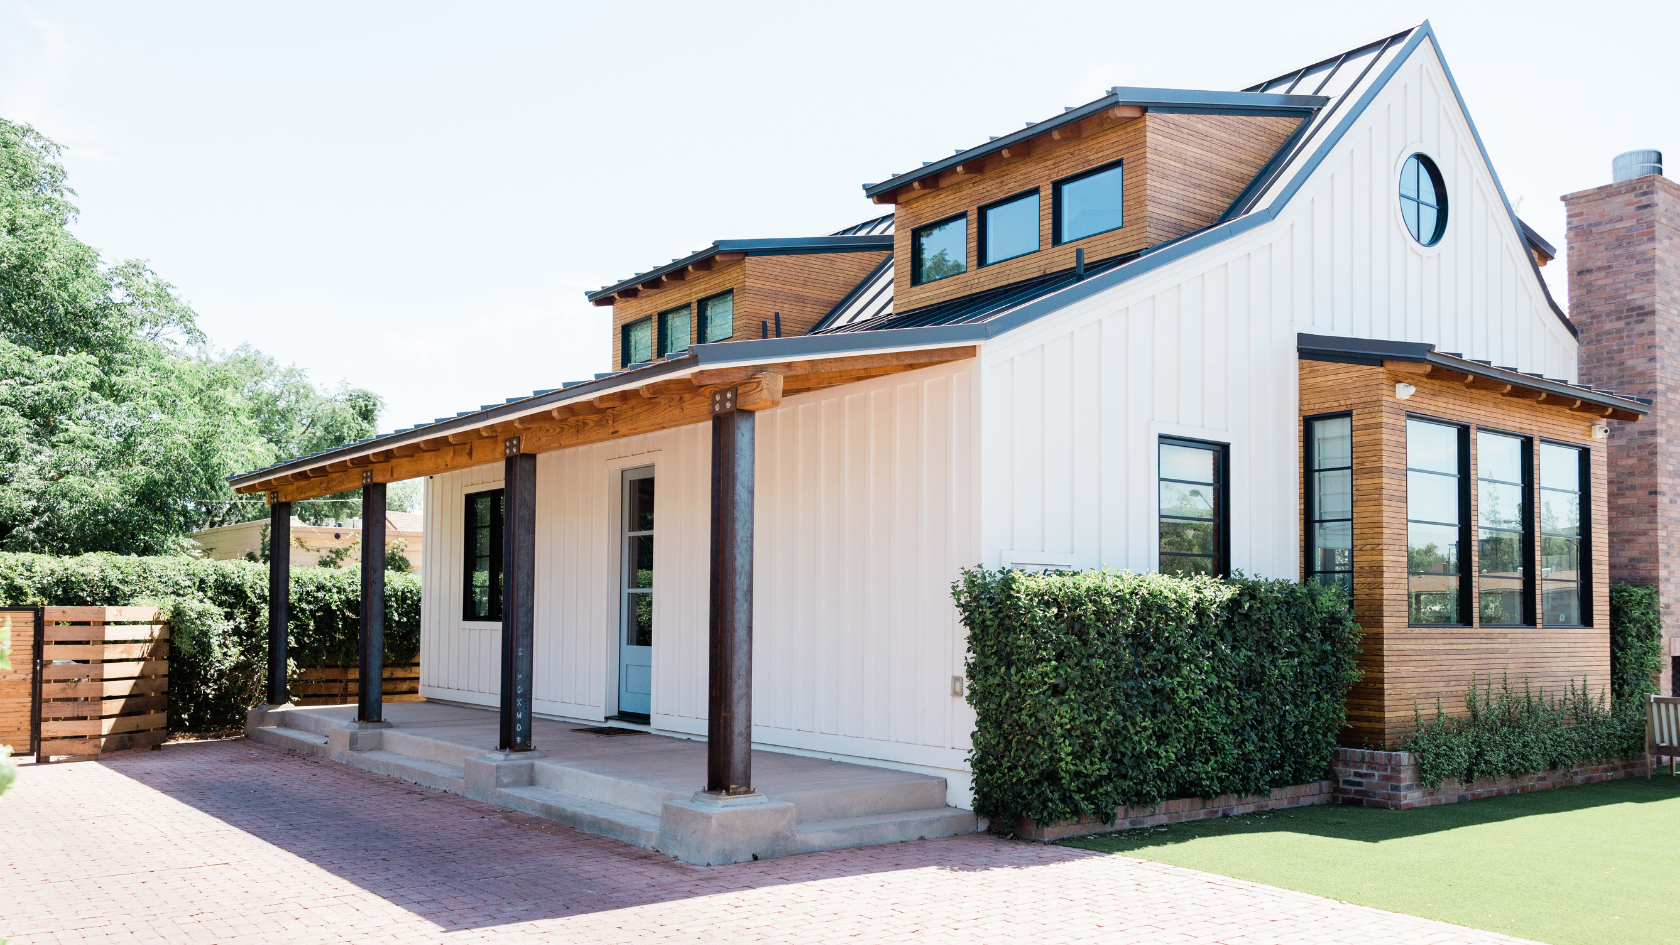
{"type": "Point", "coordinates": [1180, 810]}
{"type": "Point", "coordinates": [1389, 779]}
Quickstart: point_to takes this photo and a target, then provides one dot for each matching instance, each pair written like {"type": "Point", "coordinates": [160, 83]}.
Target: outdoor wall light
{"type": "Point", "coordinates": [1601, 431]}
{"type": "Point", "coordinates": [1404, 391]}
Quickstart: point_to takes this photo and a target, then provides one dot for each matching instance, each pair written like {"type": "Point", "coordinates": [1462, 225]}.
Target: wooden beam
{"type": "Point", "coordinates": [1406, 367]}
{"type": "Point", "coordinates": [1124, 111]}
{"type": "Point", "coordinates": [890, 197]}
{"type": "Point", "coordinates": [973, 168]}
{"type": "Point", "coordinates": [1487, 384]}
{"type": "Point", "coordinates": [701, 265]}
{"type": "Point", "coordinates": [628, 293]}
{"type": "Point", "coordinates": [605, 301]}
{"type": "Point", "coordinates": [730, 257]}
{"type": "Point", "coordinates": [1597, 410]}
{"type": "Point", "coordinates": [1067, 132]}
{"type": "Point", "coordinates": [1448, 374]}
{"type": "Point", "coordinates": [925, 184]}
{"type": "Point", "coordinates": [1526, 393]}
{"type": "Point", "coordinates": [462, 436]}
{"type": "Point", "coordinates": [1627, 416]}
{"type": "Point", "coordinates": [762, 392]}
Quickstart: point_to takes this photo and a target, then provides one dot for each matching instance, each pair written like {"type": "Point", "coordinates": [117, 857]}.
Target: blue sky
{"type": "Point", "coordinates": [413, 197]}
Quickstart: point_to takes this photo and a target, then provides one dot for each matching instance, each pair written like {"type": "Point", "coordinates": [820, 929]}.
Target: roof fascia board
{"type": "Point", "coordinates": [793, 246]}
{"type": "Point", "coordinates": [1208, 102]}
{"type": "Point", "coordinates": [714, 355]}
{"type": "Point", "coordinates": [1343, 350]}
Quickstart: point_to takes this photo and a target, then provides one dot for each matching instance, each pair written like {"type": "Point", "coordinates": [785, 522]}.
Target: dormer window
{"type": "Point", "coordinates": [940, 250]}
{"type": "Point", "coordinates": [717, 317]}
{"type": "Point", "coordinates": [1009, 228]}
{"type": "Point", "coordinates": [1090, 203]}
{"type": "Point", "coordinates": [675, 330]}
{"type": "Point", "coordinates": [638, 342]}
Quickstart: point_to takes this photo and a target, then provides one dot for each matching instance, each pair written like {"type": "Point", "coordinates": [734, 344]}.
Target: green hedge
{"type": "Point", "coordinates": [218, 614]}
{"type": "Point", "coordinates": [1635, 643]}
{"type": "Point", "coordinates": [1098, 689]}
{"type": "Point", "coordinates": [1506, 734]}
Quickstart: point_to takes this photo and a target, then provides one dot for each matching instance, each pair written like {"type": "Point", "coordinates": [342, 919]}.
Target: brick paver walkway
{"type": "Point", "coordinates": [238, 842]}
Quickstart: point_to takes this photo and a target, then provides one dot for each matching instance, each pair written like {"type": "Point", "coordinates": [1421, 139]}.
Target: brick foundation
{"type": "Point", "coordinates": [1389, 779]}
{"type": "Point", "coordinates": [1181, 810]}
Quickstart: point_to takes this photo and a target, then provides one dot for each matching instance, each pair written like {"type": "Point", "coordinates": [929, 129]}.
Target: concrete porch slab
{"type": "Point", "coordinates": [635, 788]}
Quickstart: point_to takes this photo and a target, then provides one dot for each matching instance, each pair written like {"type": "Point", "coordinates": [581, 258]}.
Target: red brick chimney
{"type": "Point", "coordinates": [1624, 296]}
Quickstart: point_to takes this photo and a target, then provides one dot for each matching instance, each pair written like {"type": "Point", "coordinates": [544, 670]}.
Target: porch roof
{"type": "Point", "coordinates": [649, 397]}
{"type": "Point", "coordinates": [1415, 357]}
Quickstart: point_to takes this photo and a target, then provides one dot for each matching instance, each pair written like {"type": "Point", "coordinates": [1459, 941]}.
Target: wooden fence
{"type": "Point", "coordinates": [18, 693]}
{"type": "Point", "coordinates": [104, 680]}
{"type": "Point", "coordinates": [335, 685]}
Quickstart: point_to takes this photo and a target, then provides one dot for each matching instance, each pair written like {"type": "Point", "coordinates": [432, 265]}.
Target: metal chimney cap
{"type": "Point", "coordinates": [1631, 164]}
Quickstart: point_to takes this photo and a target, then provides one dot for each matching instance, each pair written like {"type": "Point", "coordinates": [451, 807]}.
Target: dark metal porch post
{"type": "Point", "coordinates": [519, 587]}
{"type": "Point", "coordinates": [729, 716]}
{"type": "Point", "coordinates": [370, 685]}
{"type": "Point", "coordinates": [279, 594]}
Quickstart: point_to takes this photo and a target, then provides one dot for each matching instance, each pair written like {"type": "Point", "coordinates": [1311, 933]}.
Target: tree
{"type": "Point", "coordinates": [118, 428]}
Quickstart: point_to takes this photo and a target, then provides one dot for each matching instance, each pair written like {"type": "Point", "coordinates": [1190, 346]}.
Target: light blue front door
{"type": "Point", "coordinates": [635, 644]}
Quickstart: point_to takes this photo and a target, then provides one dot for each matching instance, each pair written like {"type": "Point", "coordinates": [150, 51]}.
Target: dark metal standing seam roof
{"type": "Point", "coordinates": [838, 243]}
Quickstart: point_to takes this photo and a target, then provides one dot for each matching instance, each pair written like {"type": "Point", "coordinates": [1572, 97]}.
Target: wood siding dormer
{"type": "Point", "coordinates": [1180, 173]}
{"type": "Point", "coordinates": [803, 287]}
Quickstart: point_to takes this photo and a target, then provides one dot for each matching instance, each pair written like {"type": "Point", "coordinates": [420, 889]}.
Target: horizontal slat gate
{"type": "Point", "coordinates": [17, 685]}
{"type": "Point", "coordinates": [334, 685]}
{"type": "Point", "coordinates": [105, 680]}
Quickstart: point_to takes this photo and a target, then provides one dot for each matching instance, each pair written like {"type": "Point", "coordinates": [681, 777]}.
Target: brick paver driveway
{"type": "Point", "coordinates": [238, 842]}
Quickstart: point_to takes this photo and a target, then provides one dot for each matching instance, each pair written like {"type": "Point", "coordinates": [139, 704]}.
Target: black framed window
{"type": "Point", "coordinates": [1090, 203]}
{"type": "Point", "coordinates": [1009, 228]}
{"type": "Point", "coordinates": [482, 549]}
{"type": "Point", "coordinates": [676, 330]}
{"type": "Point", "coordinates": [1195, 526]}
{"type": "Point", "coordinates": [1423, 199]}
{"type": "Point", "coordinates": [939, 250]}
{"type": "Point", "coordinates": [638, 342]}
{"type": "Point", "coordinates": [1504, 540]}
{"type": "Point", "coordinates": [1565, 558]}
{"type": "Point", "coordinates": [1437, 510]}
{"type": "Point", "coordinates": [717, 317]}
{"type": "Point", "coordinates": [1329, 490]}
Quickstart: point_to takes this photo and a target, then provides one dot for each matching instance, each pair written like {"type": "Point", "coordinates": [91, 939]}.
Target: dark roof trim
{"type": "Point", "coordinates": [1340, 350]}
{"type": "Point", "coordinates": [699, 356]}
{"type": "Point", "coordinates": [769, 247]}
{"type": "Point", "coordinates": [1172, 100]}
{"type": "Point", "coordinates": [1536, 239]}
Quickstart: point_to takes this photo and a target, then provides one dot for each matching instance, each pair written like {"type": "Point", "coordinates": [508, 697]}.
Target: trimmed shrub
{"type": "Point", "coordinates": [218, 616]}
{"type": "Point", "coordinates": [1507, 735]}
{"type": "Point", "coordinates": [1099, 689]}
{"type": "Point", "coordinates": [1635, 644]}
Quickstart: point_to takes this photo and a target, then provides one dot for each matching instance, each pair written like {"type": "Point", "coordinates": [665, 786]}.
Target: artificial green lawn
{"type": "Point", "coordinates": [1587, 865]}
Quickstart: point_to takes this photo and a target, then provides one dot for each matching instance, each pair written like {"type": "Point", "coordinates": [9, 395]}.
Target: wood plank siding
{"type": "Point", "coordinates": [1410, 666]}
{"type": "Point", "coordinates": [802, 286]}
{"type": "Point", "coordinates": [1204, 162]}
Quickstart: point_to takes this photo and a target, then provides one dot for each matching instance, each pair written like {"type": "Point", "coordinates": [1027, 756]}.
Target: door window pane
{"type": "Point", "coordinates": [717, 317]}
{"type": "Point", "coordinates": [940, 250]}
{"type": "Point", "coordinates": [1434, 494]}
{"type": "Point", "coordinates": [638, 561]}
{"type": "Point", "coordinates": [1330, 502]}
{"type": "Point", "coordinates": [1010, 229]}
{"type": "Point", "coordinates": [1564, 587]}
{"type": "Point", "coordinates": [1090, 204]}
{"type": "Point", "coordinates": [1502, 538]}
{"type": "Point", "coordinates": [1192, 512]}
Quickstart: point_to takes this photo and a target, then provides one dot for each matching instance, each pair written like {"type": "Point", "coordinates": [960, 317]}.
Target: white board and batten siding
{"type": "Point", "coordinates": [1073, 404]}
{"type": "Point", "coordinates": [865, 514]}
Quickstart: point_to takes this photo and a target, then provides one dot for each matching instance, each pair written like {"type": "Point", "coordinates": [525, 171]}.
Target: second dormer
{"type": "Point", "coordinates": [739, 289]}
{"type": "Point", "coordinates": [1134, 169]}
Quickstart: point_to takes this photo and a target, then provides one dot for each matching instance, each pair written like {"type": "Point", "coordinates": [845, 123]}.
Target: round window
{"type": "Point", "coordinates": [1423, 199]}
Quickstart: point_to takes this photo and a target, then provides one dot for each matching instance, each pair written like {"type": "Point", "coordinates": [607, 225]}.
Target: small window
{"type": "Point", "coordinates": [940, 250]}
{"type": "Point", "coordinates": [638, 342]}
{"type": "Point", "coordinates": [1089, 204]}
{"type": "Point", "coordinates": [1329, 463]}
{"type": "Point", "coordinates": [1503, 542]}
{"type": "Point", "coordinates": [1009, 228]}
{"type": "Point", "coordinates": [717, 317]}
{"type": "Point", "coordinates": [1423, 199]}
{"type": "Point", "coordinates": [1564, 555]}
{"type": "Point", "coordinates": [483, 555]}
{"type": "Point", "coordinates": [1194, 524]}
{"type": "Point", "coordinates": [1437, 500]}
{"type": "Point", "coordinates": [675, 331]}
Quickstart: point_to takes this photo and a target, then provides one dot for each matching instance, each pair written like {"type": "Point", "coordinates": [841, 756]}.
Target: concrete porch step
{"type": "Point", "coordinates": [871, 829]}
{"type": "Point", "coordinates": [432, 774]}
{"type": "Point", "coordinates": [590, 816]}
{"type": "Point", "coordinates": [304, 743]}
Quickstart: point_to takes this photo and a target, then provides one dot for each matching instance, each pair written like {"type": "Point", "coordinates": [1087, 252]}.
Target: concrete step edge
{"type": "Point", "coordinates": [938, 818]}
{"type": "Point", "coordinates": [592, 816]}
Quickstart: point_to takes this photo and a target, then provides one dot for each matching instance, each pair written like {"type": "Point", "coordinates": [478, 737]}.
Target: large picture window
{"type": "Point", "coordinates": [1329, 463]}
{"type": "Point", "coordinates": [483, 555]}
{"type": "Point", "coordinates": [1194, 520]}
{"type": "Point", "coordinates": [717, 317]}
{"type": "Point", "coordinates": [675, 331]}
{"type": "Point", "coordinates": [1504, 498]}
{"type": "Point", "coordinates": [1009, 228]}
{"type": "Point", "coordinates": [638, 342]}
{"type": "Point", "coordinates": [1089, 204]}
{"type": "Point", "coordinates": [940, 250]}
{"type": "Point", "coordinates": [1564, 546]}
{"type": "Point", "coordinates": [1437, 500]}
